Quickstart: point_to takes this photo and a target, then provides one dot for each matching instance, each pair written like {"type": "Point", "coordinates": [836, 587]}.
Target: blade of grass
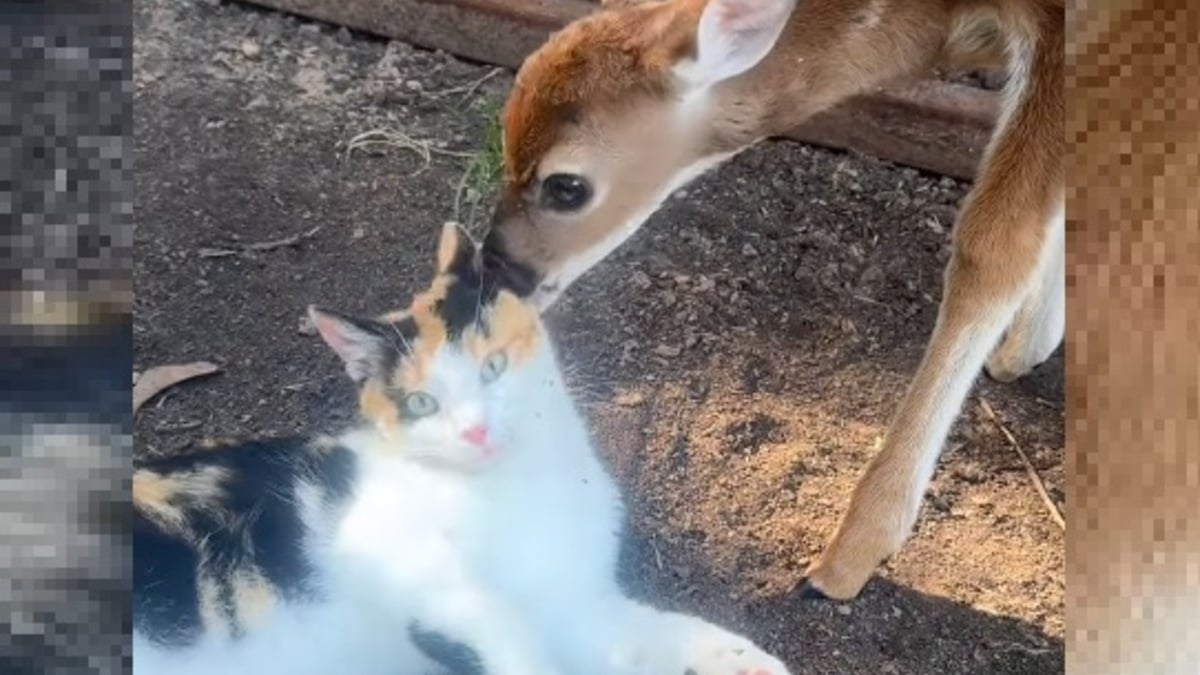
{"type": "Point", "coordinates": [481, 176]}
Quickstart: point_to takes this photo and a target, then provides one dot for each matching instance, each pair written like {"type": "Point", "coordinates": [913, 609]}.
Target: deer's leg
{"type": "Point", "coordinates": [1008, 236]}
{"type": "Point", "coordinates": [981, 297]}
{"type": "Point", "coordinates": [1038, 327]}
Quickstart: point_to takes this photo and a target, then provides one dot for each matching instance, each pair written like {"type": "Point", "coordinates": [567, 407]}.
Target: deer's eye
{"type": "Point", "coordinates": [564, 192]}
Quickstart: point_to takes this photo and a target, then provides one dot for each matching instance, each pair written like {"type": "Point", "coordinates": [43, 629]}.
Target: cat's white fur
{"type": "Point", "coordinates": [515, 557]}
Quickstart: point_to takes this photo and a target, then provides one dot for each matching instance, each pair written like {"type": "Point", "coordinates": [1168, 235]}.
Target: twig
{"type": "Point", "coordinates": [258, 246]}
{"type": "Point", "coordinates": [1029, 468]}
{"type": "Point", "coordinates": [183, 426]}
{"type": "Point", "coordinates": [470, 88]}
{"type": "Point", "coordinates": [657, 556]}
{"type": "Point", "coordinates": [398, 139]}
{"type": "Point", "coordinates": [280, 243]}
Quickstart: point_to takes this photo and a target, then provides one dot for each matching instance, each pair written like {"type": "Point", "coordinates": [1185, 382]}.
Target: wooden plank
{"type": "Point", "coordinates": [499, 32]}
{"type": "Point", "coordinates": [930, 125]}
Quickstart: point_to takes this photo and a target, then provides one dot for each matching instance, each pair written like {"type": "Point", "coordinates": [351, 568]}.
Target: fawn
{"type": "Point", "coordinates": [624, 106]}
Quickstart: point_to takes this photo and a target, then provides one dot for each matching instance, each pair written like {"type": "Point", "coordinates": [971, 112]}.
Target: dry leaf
{"type": "Point", "coordinates": [156, 379]}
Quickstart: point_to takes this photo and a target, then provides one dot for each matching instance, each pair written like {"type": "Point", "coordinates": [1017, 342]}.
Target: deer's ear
{"type": "Point", "coordinates": [733, 36]}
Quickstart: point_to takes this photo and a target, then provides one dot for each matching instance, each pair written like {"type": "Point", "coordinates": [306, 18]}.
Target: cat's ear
{"type": "Point", "coordinates": [363, 345]}
{"type": "Point", "coordinates": [456, 253]}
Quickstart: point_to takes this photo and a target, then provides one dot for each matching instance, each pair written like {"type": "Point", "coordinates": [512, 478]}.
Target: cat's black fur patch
{"type": "Point", "coordinates": [166, 601]}
{"type": "Point", "coordinates": [468, 292]}
{"type": "Point", "coordinates": [453, 656]}
{"type": "Point", "coordinates": [260, 490]}
{"type": "Point", "coordinates": [501, 271]}
{"type": "Point", "coordinates": [463, 306]}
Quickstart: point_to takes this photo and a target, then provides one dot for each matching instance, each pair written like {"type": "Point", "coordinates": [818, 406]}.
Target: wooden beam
{"type": "Point", "coordinates": [930, 125]}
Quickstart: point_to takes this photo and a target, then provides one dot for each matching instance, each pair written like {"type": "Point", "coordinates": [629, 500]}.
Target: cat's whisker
{"type": "Point", "coordinates": [407, 345]}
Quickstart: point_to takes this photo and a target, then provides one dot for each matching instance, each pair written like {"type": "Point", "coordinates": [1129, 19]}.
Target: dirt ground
{"type": "Point", "coordinates": [738, 359]}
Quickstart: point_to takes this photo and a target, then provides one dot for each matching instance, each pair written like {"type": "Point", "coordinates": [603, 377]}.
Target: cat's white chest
{"type": "Point", "coordinates": [544, 535]}
{"type": "Point", "coordinates": [407, 522]}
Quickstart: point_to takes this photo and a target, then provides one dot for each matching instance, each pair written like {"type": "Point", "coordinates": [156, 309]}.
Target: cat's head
{"type": "Point", "coordinates": [448, 380]}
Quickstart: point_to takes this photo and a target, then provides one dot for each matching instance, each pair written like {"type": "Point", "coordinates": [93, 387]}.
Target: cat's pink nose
{"type": "Point", "coordinates": [476, 435]}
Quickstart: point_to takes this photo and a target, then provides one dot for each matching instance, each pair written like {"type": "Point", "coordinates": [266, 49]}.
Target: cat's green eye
{"type": "Point", "coordinates": [419, 404]}
{"type": "Point", "coordinates": [493, 367]}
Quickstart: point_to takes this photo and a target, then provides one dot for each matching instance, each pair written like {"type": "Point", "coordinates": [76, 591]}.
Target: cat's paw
{"type": "Point", "coordinates": [730, 655]}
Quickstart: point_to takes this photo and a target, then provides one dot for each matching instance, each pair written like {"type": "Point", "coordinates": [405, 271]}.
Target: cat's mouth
{"type": "Point", "coordinates": [476, 458]}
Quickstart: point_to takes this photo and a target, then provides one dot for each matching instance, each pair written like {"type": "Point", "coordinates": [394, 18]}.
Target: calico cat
{"type": "Point", "coordinates": [470, 504]}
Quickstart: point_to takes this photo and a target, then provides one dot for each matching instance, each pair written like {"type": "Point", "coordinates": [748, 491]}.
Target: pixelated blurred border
{"type": "Point", "coordinates": [66, 295]}
{"type": "Point", "coordinates": [1133, 470]}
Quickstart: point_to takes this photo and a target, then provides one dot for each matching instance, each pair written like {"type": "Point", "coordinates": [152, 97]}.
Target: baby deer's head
{"type": "Point", "coordinates": [609, 117]}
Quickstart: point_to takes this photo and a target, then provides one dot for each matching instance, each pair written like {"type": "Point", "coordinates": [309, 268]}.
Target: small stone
{"type": "Point", "coordinates": [640, 279]}
{"type": "Point", "coordinates": [358, 233]}
{"type": "Point", "coordinates": [306, 326]}
{"type": "Point", "coordinates": [629, 399]}
{"type": "Point", "coordinates": [667, 351]}
{"type": "Point", "coordinates": [844, 610]}
{"type": "Point", "coordinates": [250, 49]}
{"type": "Point", "coordinates": [413, 85]}
{"type": "Point", "coordinates": [871, 276]}
{"type": "Point", "coordinates": [749, 251]}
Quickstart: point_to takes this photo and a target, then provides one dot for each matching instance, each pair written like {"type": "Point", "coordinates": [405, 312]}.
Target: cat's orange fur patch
{"type": "Point", "coordinates": [211, 616]}
{"type": "Point", "coordinates": [162, 496]}
{"type": "Point", "coordinates": [513, 328]}
{"type": "Point", "coordinates": [253, 597]}
{"type": "Point", "coordinates": [378, 408]}
{"type": "Point", "coordinates": [431, 337]}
